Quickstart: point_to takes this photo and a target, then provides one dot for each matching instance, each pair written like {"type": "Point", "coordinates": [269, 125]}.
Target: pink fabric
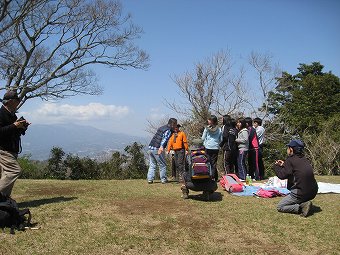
{"type": "Point", "coordinates": [268, 193]}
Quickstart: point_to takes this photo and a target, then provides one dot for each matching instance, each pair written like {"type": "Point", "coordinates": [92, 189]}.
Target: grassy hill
{"type": "Point", "coordinates": [132, 217]}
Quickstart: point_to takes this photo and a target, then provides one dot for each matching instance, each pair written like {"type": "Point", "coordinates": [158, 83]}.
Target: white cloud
{"type": "Point", "coordinates": [156, 115]}
{"type": "Point", "coordinates": [58, 113]}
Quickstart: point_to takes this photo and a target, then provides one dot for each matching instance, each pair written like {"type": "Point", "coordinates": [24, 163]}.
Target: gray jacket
{"type": "Point", "coordinates": [242, 140]}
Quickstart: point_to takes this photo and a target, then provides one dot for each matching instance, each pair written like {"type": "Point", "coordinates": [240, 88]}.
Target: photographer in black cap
{"type": "Point", "coordinates": [301, 182]}
{"type": "Point", "coordinates": [11, 128]}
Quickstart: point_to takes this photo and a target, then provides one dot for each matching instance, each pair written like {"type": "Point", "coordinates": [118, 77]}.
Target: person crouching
{"type": "Point", "coordinates": [199, 176]}
{"type": "Point", "coordinates": [301, 182]}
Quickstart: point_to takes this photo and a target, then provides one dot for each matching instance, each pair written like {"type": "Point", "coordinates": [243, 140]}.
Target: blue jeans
{"type": "Point", "coordinates": [156, 159]}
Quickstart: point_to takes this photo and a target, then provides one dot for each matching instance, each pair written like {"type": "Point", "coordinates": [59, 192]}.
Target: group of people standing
{"type": "Point", "coordinates": [240, 140]}
{"type": "Point", "coordinates": [242, 145]}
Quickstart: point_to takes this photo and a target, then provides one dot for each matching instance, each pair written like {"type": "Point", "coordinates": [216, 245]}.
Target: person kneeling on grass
{"type": "Point", "coordinates": [301, 181]}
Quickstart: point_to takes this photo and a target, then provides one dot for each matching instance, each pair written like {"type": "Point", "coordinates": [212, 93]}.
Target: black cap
{"type": "Point", "coordinates": [296, 143]}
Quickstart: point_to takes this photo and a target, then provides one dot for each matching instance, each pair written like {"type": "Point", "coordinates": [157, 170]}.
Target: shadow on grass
{"type": "Point", "coordinates": [39, 202]}
{"type": "Point", "coordinates": [215, 197]}
{"type": "Point", "coordinates": [315, 209]}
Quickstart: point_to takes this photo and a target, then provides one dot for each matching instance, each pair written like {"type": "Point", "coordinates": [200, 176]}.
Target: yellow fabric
{"type": "Point", "coordinates": [200, 177]}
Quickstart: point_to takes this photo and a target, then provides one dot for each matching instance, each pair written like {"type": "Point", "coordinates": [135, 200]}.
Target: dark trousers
{"type": "Point", "coordinates": [173, 166]}
{"type": "Point", "coordinates": [241, 164]}
{"type": "Point", "coordinates": [253, 163]}
{"type": "Point", "coordinates": [179, 159]}
{"type": "Point", "coordinates": [229, 161]}
{"type": "Point", "coordinates": [213, 156]}
{"type": "Point", "coordinates": [261, 165]}
{"type": "Point", "coordinates": [199, 185]}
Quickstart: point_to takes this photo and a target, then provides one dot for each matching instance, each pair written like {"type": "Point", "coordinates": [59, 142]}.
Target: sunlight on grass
{"type": "Point", "coordinates": [132, 217]}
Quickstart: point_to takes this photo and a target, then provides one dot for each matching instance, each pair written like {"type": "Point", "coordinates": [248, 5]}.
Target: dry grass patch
{"type": "Point", "coordinates": [132, 217]}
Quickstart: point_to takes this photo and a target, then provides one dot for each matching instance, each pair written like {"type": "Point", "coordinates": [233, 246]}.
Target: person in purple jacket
{"type": "Point", "coordinates": [301, 182]}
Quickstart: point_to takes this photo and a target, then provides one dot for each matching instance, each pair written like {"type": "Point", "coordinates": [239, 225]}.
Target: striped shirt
{"type": "Point", "coordinates": [164, 141]}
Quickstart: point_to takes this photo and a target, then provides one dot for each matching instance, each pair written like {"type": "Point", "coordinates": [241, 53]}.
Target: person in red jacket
{"type": "Point", "coordinates": [253, 152]}
{"type": "Point", "coordinates": [301, 181]}
{"type": "Point", "coordinates": [179, 144]}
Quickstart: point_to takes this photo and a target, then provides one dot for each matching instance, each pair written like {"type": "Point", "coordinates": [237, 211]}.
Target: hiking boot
{"type": "Point", "coordinates": [206, 195]}
{"type": "Point", "coordinates": [305, 208]}
{"type": "Point", "coordinates": [185, 192]}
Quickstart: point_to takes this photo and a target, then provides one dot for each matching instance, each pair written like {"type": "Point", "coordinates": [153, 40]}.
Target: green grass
{"type": "Point", "coordinates": [132, 217]}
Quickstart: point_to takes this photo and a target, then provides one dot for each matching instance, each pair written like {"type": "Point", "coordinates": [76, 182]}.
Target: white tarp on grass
{"type": "Point", "coordinates": [325, 187]}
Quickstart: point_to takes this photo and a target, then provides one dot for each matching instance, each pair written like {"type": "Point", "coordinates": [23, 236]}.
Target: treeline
{"type": "Point", "coordinates": [307, 106]}
{"type": "Point", "coordinates": [128, 165]}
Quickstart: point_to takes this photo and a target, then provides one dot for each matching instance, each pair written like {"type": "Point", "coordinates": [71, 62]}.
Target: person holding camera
{"type": "Point", "coordinates": [301, 181]}
{"type": "Point", "coordinates": [11, 129]}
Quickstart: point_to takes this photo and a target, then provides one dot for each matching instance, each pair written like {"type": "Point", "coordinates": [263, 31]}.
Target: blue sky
{"type": "Point", "coordinates": [180, 33]}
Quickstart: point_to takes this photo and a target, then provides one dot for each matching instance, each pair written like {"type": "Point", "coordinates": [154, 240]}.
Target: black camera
{"type": "Point", "coordinates": [26, 124]}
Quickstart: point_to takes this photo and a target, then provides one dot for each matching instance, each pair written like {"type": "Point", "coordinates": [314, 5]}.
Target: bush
{"type": "Point", "coordinates": [31, 169]}
{"type": "Point", "coordinates": [324, 149]}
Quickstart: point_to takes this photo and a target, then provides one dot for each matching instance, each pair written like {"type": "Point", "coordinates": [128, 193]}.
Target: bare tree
{"type": "Point", "coordinates": [266, 73]}
{"type": "Point", "coordinates": [232, 94]}
{"type": "Point", "coordinates": [209, 89]}
{"type": "Point", "coordinates": [4, 10]}
{"type": "Point", "coordinates": [55, 42]}
{"type": "Point", "coordinates": [6, 20]}
{"type": "Point", "coordinates": [11, 13]}
{"type": "Point", "coordinates": [153, 125]}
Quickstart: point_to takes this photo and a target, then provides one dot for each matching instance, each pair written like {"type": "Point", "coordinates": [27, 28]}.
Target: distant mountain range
{"type": "Point", "coordinates": [75, 139]}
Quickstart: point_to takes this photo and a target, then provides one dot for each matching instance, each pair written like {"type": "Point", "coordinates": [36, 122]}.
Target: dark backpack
{"type": "Point", "coordinates": [12, 217]}
{"type": "Point", "coordinates": [200, 166]}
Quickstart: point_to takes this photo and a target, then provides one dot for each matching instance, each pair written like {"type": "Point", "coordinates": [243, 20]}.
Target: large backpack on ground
{"type": "Point", "coordinates": [12, 217]}
{"type": "Point", "coordinates": [231, 183]}
{"type": "Point", "coordinates": [199, 165]}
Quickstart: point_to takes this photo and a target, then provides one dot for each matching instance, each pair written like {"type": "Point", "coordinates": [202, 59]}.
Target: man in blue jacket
{"type": "Point", "coordinates": [301, 181]}
{"type": "Point", "coordinates": [157, 151]}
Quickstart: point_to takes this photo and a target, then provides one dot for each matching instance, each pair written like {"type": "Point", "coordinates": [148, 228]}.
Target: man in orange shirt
{"type": "Point", "coordinates": [179, 144]}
